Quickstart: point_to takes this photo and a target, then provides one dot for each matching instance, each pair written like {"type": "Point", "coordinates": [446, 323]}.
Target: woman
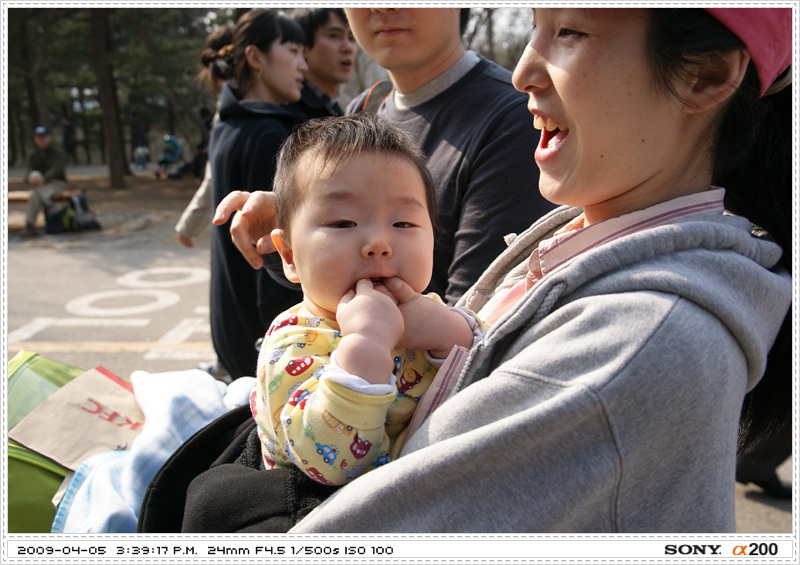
{"type": "Point", "coordinates": [608, 394]}
{"type": "Point", "coordinates": [266, 65]}
{"type": "Point", "coordinates": [627, 325]}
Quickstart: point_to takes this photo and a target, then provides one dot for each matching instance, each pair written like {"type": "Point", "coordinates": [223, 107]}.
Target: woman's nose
{"type": "Point", "coordinates": [301, 63]}
{"type": "Point", "coordinates": [530, 74]}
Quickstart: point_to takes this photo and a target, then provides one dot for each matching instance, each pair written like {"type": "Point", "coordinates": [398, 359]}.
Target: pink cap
{"type": "Point", "coordinates": [767, 34]}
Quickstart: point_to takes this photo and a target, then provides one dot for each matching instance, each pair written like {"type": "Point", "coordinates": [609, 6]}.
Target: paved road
{"type": "Point", "coordinates": [127, 297]}
{"type": "Point", "coordinates": [130, 297]}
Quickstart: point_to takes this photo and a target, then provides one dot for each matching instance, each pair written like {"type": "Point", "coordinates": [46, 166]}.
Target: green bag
{"type": "Point", "coordinates": [33, 479]}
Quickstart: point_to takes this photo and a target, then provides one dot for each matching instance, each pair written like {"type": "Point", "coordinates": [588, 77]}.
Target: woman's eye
{"type": "Point", "coordinates": [566, 32]}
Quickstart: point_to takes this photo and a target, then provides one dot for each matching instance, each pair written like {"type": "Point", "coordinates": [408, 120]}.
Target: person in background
{"type": "Point", "coordinates": [330, 52]}
{"type": "Point", "coordinates": [68, 136]}
{"type": "Point", "coordinates": [197, 165]}
{"type": "Point", "coordinates": [464, 113]}
{"type": "Point", "coordinates": [262, 69]}
{"type": "Point", "coordinates": [139, 139]}
{"type": "Point", "coordinates": [196, 217]}
{"type": "Point", "coordinates": [46, 175]}
{"type": "Point", "coordinates": [171, 157]}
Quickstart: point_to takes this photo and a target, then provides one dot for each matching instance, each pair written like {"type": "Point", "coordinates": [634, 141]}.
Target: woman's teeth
{"type": "Point", "coordinates": [547, 124]}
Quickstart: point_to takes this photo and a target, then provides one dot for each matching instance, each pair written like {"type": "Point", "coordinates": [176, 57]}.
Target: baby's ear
{"type": "Point", "coordinates": [285, 251]}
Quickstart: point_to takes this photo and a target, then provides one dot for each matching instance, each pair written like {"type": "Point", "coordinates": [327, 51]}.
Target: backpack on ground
{"type": "Point", "coordinates": [73, 216]}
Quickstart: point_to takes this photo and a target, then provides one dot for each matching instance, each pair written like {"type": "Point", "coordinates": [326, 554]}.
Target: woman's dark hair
{"type": "Point", "coordinates": [210, 57]}
{"type": "Point", "coordinates": [463, 20]}
{"type": "Point", "coordinates": [259, 28]}
{"type": "Point", "coordinates": [751, 148]}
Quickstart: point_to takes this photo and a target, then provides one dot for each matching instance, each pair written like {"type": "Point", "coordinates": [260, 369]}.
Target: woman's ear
{"type": "Point", "coordinates": [285, 251]}
{"type": "Point", "coordinates": [252, 55]}
{"type": "Point", "coordinates": [716, 80]}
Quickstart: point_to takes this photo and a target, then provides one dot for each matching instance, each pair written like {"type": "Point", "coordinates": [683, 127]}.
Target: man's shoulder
{"type": "Point", "coordinates": [493, 71]}
{"type": "Point", "coordinates": [356, 103]}
{"type": "Point", "coordinates": [377, 92]}
{"type": "Point", "coordinates": [490, 80]}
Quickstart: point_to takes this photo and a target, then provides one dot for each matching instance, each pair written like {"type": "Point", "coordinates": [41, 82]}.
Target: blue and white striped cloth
{"type": "Point", "coordinates": [107, 489]}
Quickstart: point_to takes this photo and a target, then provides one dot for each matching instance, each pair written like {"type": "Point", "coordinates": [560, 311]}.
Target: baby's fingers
{"type": "Point", "coordinates": [400, 289]}
{"type": "Point", "coordinates": [348, 296]}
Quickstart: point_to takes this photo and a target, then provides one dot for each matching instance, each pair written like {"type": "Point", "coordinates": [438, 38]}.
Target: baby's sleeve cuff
{"type": "Point", "coordinates": [336, 374]}
{"type": "Point", "coordinates": [475, 325]}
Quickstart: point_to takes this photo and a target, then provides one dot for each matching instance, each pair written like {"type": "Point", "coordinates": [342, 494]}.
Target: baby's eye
{"type": "Point", "coordinates": [342, 224]}
{"type": "Point", "coordinates": [404, 225]}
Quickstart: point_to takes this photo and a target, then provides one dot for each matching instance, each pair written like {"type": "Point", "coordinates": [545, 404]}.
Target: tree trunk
{"type": "Point", "coordinates": [112, 134]}
{"type": "Point", "coordinates": [12, 132]}
{"type": "Point", "coordinates": [490, 33]}
{"type": "Point", "coordinates": [32, 50]}
{"type": "Point", "coordinates": [23, 136]}
{"type": "Point", "coordinates": [86, 128]}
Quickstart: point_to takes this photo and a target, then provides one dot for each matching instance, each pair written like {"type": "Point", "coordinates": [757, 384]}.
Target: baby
{"type": "Point", "coordinates": [340, 375]}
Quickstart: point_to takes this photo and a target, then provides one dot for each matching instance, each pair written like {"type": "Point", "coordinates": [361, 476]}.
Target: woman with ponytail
{"type": "Point", "coordinates": [261, 70]}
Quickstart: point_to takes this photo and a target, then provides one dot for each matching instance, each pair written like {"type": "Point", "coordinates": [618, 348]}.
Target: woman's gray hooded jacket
{"type": "Point", "coordinates": [606, 400]}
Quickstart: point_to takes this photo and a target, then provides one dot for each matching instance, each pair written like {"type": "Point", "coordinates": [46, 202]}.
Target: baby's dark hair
{"type": "Point", "coordinates": [333, 141]}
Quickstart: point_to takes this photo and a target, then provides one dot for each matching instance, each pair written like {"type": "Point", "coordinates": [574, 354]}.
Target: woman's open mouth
{"type": "Point", "coordinates": [553, 135]}
{"type": "Point", "coordinates": [553, 132]}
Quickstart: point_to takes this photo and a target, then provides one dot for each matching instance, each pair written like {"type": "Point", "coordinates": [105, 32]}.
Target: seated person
{"type": "Point", "coordinates": [46, 175]}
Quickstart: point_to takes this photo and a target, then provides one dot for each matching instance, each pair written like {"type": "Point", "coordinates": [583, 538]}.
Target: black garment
{"type": "Point", "coordinates": [216, 483]}
{"type": "Point", "coordinates": [50, 161]}
{"type": "Point", "coordinates": [68, 133]}
{"type": "Point", "coordinates": [242, 149]}
{"type": "Point", "coordinates": [479, 140]}
{"type": "Point", "coordinates": [312, 105]}
{"type": "Point", "coordinates": [138, 133]}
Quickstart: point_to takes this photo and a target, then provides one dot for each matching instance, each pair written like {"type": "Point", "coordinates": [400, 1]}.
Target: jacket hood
{"type": "Point", "coordinates": [715, 262]}
{"type": "Point", "coordinates": [230, 106]}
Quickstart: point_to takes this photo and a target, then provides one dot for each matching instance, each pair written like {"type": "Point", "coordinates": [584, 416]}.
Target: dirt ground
{"type": "Point", "coordinates": [120, 209]}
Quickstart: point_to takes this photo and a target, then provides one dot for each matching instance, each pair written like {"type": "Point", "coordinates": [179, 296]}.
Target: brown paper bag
{"type": "Point", "coordinates": [93, 413]}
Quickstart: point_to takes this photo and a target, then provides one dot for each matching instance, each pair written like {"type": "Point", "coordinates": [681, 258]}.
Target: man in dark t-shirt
{"type": "Point", "coordinates": [330, 52]}
{"type": "Point", "coordinates": [472, 124]}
